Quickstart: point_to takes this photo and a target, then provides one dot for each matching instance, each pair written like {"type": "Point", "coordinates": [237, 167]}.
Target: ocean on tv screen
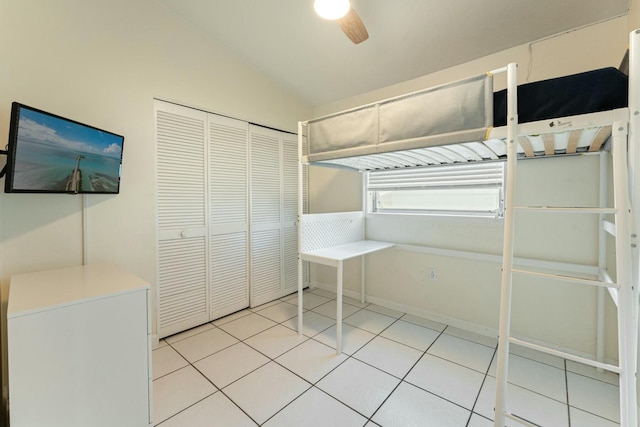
{"type": "Point", "coordinates": [57, 155]}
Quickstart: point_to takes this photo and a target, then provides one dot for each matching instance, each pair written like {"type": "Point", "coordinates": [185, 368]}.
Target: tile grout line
{"type": "Point", "coordinates": [311, 385]}
{"type": "Point", "coordinates": [440, 333]}
{"type": "Point", "coordinates": [175, 370]}
{"type": "Point", "coordinates": [307, 338]}
{"type": "Point", "coordinates": [218, 389]}
{"type": "Point", "coordinates": [352, 356]}
{"type": "Point", "coordinates": [484, 380]}
{"type": "Point", "coordinates": [405, 375]}
{"type": "Point", "coordinates": [566, 385]}
{"type": "Point", "coordinates": [314, 385]}
{"type": "Point", "coordinates": [225, 395]}
{"type": "Point", "coordinates": [426, 353]}
{"type": "Point", "coordinates": [184, 409]}
{"type": "Point", "coordinates": [287, 405]}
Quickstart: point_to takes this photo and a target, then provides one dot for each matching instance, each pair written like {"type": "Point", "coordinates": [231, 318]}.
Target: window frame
{"type": "Point", "coordinates": [452, 181]}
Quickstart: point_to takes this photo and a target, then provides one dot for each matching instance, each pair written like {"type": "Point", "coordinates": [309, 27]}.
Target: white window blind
{"type": "Point", "coordinates": [460, 189]}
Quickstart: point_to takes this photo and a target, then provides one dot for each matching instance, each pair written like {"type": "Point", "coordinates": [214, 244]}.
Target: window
{"type": "Point", "coordinates": [469, 189]}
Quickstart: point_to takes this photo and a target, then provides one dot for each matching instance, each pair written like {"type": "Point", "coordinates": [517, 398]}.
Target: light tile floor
{"type": "Point", "coordinates": [252, 368]}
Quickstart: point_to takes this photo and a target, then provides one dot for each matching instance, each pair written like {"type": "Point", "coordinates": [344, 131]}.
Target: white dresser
{"type": "Point", "coordinates": [79, 345]}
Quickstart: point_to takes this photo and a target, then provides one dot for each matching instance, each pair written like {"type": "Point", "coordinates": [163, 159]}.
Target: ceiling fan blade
{"type": "Point", "coordinates": [353, 27]}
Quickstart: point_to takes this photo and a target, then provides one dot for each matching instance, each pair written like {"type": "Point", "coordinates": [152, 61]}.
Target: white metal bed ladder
{"type": "Point", "coordinates": [624, 293]}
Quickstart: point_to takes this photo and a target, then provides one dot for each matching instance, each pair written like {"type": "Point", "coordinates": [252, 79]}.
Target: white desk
{"type": "Point", "coordinates": [335, 257]}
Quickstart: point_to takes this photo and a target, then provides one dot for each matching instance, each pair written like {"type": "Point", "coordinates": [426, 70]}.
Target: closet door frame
{"type": "Point", "coordinates": [289, 216]}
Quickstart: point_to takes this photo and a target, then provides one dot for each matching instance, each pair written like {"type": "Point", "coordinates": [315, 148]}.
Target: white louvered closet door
{"type": "Point", "coordinates": [181, 218]}
{"type": "Point", "coordinates": [226, 210]}
{"type": "Point", "coordinates": [228, 213]}
{"type": "Point", "coordinates": [265, 206]}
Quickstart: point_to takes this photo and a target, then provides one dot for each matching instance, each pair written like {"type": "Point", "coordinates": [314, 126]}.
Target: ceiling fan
{"type": "Point", "coordinates": [348, 19]}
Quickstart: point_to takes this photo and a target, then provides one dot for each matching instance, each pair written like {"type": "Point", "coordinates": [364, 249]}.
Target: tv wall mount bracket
{"type": "Point", "coordinates": [4, 169]}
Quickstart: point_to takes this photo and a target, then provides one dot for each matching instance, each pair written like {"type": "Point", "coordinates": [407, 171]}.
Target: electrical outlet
{"type": "Point", "coordinates": [432, 273]}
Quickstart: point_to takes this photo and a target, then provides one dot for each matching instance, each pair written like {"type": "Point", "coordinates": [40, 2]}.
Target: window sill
{"type": "Point", "coordinates": [430, 216]}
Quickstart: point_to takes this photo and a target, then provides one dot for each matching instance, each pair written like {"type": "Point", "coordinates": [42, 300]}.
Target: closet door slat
{"type": "Point", "coordinates": [266, 272]}
{"type": "Point", "coordinates": [265, 177]}
{"type": "Point", "coordinates": [229, 279]}
{"type": "Point", "coordinates": [180, 171]}
{"type": "Point", "coordinates": [182, 285]}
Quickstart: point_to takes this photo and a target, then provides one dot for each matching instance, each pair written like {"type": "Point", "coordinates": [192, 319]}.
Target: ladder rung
{"type": "Point", "coordinates": [520, 419]}
{"type": "Point", "coordinates": [571, 279]}
{"type": "Point", "coordinates": [565, 355]}
{"type": "Point", "coordinates": [551, 209]}
{"type": "Point", "coordinates": [614, 295]}
{"type": "Point", "coordinates": [605, 276]}
{"type": "Point", "coordinates": [609, 227]}
{"type": "Point", "coordinates": [612, 291]}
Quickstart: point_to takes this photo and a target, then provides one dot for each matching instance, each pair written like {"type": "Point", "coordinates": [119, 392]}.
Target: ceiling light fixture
{"type": "Point", "coordinates": [331, 9]}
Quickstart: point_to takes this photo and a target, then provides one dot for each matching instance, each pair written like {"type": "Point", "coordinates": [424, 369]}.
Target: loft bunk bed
{"type": "Point", "coordinates": [465, 121]}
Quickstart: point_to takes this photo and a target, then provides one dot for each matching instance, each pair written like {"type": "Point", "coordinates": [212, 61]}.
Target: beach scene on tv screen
{"type": "Point", "coordinates": [53, 154]}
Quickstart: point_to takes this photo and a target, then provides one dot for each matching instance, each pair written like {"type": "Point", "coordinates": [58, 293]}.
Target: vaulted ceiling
{"type": "Point", "coordinates": [312, 58]}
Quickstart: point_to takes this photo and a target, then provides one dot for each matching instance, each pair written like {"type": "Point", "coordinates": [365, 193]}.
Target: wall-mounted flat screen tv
{"type": "Point", "coordinates": [50, 154]}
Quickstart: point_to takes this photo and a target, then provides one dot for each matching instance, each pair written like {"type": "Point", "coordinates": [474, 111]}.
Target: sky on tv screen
{"type": "Point", "coordinates": [53, 154]}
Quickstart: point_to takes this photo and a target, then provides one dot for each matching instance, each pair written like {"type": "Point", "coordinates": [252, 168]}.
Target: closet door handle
{"type": "Point", "coordinates": [188, 233]}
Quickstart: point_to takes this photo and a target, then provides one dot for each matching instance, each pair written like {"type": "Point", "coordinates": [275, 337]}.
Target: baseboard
{"type": "Point", "coordinates": [425, 314]}
{"type": "Point", "coordinates": [451, 321]}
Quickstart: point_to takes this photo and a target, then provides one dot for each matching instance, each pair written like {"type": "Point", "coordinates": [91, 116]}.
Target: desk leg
{"type": "Point", "coordinates": [362, 297]}
{"type": "Point", "coordinates": [300, 308]}
{"type": "Point", "coordinates": [339, 311]}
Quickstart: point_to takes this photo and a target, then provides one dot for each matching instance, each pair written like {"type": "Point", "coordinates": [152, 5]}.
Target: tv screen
{"type": "Point", "coordinates": [50, 154]}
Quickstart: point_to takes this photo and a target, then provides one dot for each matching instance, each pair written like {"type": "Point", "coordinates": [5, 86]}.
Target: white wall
{"type": "Point", "coordinates": [601, 45]}
{"type": "Point", "coordinates": [102, 63]}
{"type": "Point", "coordinates": [468, 291]}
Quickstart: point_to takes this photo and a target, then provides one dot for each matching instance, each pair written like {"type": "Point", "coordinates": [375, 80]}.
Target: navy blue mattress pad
{"type": "Point", "coordinates": [588, 92]}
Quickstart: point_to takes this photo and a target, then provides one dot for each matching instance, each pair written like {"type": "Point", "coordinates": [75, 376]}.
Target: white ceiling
{"type": "Point", "coordinates": [312, 58]}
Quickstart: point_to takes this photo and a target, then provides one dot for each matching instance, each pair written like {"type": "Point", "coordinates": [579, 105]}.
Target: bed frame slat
{"type": "Point", "coordinates": [574, 137]}
{"type": "Point", "coordinates": [549, 144]}
{"type": "Point", "coordinates": [603, 134]}
{"type": "Point", "coordinates": [524, 142]}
